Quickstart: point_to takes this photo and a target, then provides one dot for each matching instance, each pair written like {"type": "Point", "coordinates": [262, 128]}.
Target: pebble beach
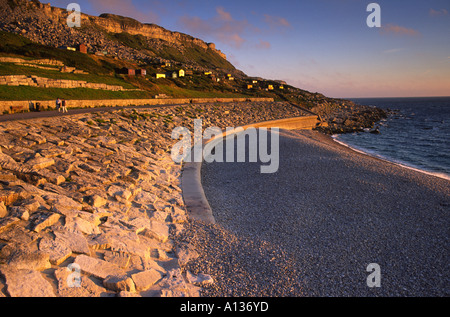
{"type": "Point", "coordinates": [312, 228]}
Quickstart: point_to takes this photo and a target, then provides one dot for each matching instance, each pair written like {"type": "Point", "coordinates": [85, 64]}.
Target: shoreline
{"type": "Point", "coordinates": [313, 229]}
{"type": "Point", "coordinates": [384, 158]}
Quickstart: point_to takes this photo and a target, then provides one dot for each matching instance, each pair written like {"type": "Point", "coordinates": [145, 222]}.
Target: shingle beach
{"type": "Point", "coordinates": [312, 228]}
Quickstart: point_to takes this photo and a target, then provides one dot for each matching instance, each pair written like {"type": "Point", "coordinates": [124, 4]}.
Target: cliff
{"type": "Point", "coordinates": [47, 25]}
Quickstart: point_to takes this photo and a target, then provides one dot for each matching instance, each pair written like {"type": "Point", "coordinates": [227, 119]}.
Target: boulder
{"type": "Point", "coordinates": [75, 241]}
{"type": "Point", "coordinates": [56, 248]}
{"type": "Point", "coordinates": [18, 234]}
{"type": "Point", "coordinates": [43, 220]}
{"type": "Point", "coordinates": [26, 283]}
{"type": "Point", "coordinates": [200, 279]}
{"type": "Point", "coordinates": [146, 279]}
{"type": "Point", "coordinates": [96, 201]}
{"type": "Point", "coordinates": [24, 259]}
{"type": "Point", "coordinates": [119, 283]}
{"type": "Point", "coordinates": [98, 268]}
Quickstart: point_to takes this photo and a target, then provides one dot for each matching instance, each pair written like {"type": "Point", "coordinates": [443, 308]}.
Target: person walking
{"type": "Point", "coordinates": [58, 104]}
{"type": "Point", "coordinates": [63, 105]}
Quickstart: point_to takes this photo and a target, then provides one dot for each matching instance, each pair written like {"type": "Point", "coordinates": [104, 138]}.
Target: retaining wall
{"type": "Point", "coordinates": [23, 105]}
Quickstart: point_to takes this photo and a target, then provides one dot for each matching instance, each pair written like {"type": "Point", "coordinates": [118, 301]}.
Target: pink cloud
{"type": "Point", "coordinates": [222, 26]}
{"type": "Point", "coordinates": [223, 15]}
{"type": "Point", "coordinates": [399, 30]}
{"type": "Point", "coordinates": [274, 21]}
{"type": "Point", "coordinates": [437, 13]}
{"type": "Point", "coordinates": [263, 45]}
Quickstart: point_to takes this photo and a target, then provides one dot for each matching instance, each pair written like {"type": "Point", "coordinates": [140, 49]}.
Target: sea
{"type": "Point", "coordinates": [416, 134]}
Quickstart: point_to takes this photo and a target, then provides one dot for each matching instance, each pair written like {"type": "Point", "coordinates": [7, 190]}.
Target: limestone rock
{"type": "Point", "coordinates": [53, 178]}
{"type": "Point", "coordinates": [10, 195]}
{"type": "Point", "coordinates": [43, 220]}
{"type": "Point", "coordinates": [174, 285]}
{"type": "Point", "coordinates": [26, 283]}
{"type": "Point", "coordinates": [200, 279]}
{"type": "Point", "coordinates": [56, 248]}
{"type": "Point", "coordinates": [99, 242]}
{"type": "Point", "coordinates": [75, 241]}
{"type": "Point", "coordinates": [186, 254]}
{"type": "Point", "coordinates": [73, 284]}
{"type": "Point", "coordinates": [8, 163]}
{"type": "Point", "coordinates": [158, 231]}
{"type": "Point", "coordinates": [98, 268]}
{"type": "Point", "coordinates": [3, 210]}
{"type": "Point", "coordinates": [119, 283]}
{"type": "Point", "coordinates": [7, 222]}
{"type": "Point", "coordinates": [146, 279]}
{"type": "Point", "coordinates": [128, 294]}
{"type": "Point", "coordinates": [79, 225]}
{"type": "Point", "coordinates": [118, 258]}
{"type": "Point", "coordinates": [129, 243]}
{"type": "Point", "coordinates": [39, 139]}
{"type": "Point", "coordinates": [39, 163]}
{"type": "Point", "coordinates": [60, 203]}
{"type": "Point", "coordinates": [19, 212]}
{"type": "Point", "coordinates": [18, 234]}
{"type": "Point", "coordinates": [96, 201]}
{"type": "Point", "coordinates": [24, 259]}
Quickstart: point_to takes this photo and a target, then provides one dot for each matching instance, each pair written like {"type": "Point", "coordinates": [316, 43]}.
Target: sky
{"type": "Point", "coordinates": [321, 46]}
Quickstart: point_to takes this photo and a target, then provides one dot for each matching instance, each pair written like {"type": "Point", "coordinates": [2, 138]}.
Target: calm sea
{"type": "Point", "coordinates": [417, 135]}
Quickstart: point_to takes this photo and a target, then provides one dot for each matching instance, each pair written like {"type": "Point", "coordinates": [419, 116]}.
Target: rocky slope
{"type": "Point", "coordinates": [48, 25]}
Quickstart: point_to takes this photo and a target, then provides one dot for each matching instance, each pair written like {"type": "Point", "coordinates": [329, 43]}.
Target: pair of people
{"type": "Point", "coordinates": [61, 105]}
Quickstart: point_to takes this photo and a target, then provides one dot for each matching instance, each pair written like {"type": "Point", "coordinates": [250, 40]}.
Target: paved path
{"type": "Point", "coordinates": [54, 113]}
{"type": "Point", "coordinates": [323, 218]}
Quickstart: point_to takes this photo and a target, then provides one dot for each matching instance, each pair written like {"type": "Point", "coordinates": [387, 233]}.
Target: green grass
{"type": "Point", "coordinates": [36, 93]}
{"type": "Point", "coordinates": [15, 44]}
{"type": "Point", "coordinates": [12, 69]}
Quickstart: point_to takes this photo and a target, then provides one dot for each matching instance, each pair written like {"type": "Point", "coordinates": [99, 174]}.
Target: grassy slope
{"type": "Point", "coordinates": [36, 93]}
{"type": "Point", "coordinates": [102, 70]}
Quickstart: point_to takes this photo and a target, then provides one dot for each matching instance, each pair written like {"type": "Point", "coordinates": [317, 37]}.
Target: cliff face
{"type": "Point", "coordinates": [111, 23]}
{"type": "Point", "coordinates": [118, 24]}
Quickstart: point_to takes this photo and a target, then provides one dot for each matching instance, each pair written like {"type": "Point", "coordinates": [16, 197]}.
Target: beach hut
{"type": "Point", "coordinates": [142, 72]}
{"type": "Point", "coordinates": [160, 76]}
{"type": "Point", "coordinates": [181, 73]}
{"type": "Point", "coordinates": [172, 74]}
{"type": "Point", "coordinates": [82, 48]}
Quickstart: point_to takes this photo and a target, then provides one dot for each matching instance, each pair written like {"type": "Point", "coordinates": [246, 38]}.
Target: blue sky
{"type": "Point", "coordinates": [318, 45]}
